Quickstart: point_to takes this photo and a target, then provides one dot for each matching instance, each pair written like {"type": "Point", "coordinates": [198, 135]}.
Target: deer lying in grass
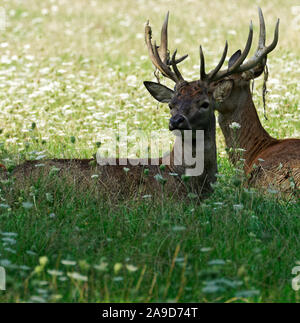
{"type": "Point", "coordinates": [191, 110]}
{"type": "Point", "coordinates": [277, 162]}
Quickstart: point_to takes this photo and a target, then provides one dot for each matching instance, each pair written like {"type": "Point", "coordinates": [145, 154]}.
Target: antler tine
{"type": "Point", "coordinates": [165, 70]}
{"type": "Point", "coordinates": [159, 55]}
{"type": "Point", "coordinates": [163, 48]}
{"type": "Point", "coordinates": [148, 37]}
{"type": "Point", "coordinates": [275, 39]}
{"type": "Point", "coordinates": [179, 60]}
{"type": "Point", "coordinates": [245, 52]}
{"type": "Point", "coordinates": [220, 64]}
{"type": "Point", "coordinates": [262, 30]}
{"type": "Point", "coordinates": [203, 75]}
{"type": "Point", "coordinates": [179, 76]}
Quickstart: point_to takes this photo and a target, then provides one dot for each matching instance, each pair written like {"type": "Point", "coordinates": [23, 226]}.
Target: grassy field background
{"type": "Point", "coordinates": [69, 70]}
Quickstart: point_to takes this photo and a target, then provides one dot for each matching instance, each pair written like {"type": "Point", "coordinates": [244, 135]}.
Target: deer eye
{"type": "Point", "coordinates": [204, 105]}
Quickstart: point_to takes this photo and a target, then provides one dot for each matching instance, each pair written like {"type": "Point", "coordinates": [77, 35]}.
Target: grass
{"type": "Point", "coordinates": [237, 245]}
{"type": "Point", "coordinates": [68, 72]}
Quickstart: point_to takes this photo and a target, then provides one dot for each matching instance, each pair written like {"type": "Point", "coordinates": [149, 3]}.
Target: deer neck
{"type": "Point", "coordinates": [251, 136]}
{"type": "Point", "coordinates": [204, 147]}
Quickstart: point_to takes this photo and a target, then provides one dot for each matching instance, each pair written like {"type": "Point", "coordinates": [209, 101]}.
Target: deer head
{"type": "Point", "coordinates": [231, 87]}
{"type": "Point", "coordinates": [189, 102]}
{"type": "Point", "coordinates": [192, 103]}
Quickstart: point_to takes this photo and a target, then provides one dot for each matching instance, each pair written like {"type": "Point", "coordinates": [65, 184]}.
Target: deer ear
{"type": "Point", "coordinates": [223, 90]}
{"type": "Point", "coordinates": [160, 92]}
{"type": "Point", "coordinates": [234, 57]}
{"type": "Point", "coordinates": [259, 69]}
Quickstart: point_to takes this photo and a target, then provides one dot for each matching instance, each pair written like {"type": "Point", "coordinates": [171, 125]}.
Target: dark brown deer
{"type": "Point", "coordinates": [269, 161]}
{"type": "Point", "coordinates": [190, 109]}
{"type": "Point", "coordinates": [189, 105]}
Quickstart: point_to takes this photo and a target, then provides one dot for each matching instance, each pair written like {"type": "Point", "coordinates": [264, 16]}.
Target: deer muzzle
{"type": "Point", "coordinates": [176, 121]}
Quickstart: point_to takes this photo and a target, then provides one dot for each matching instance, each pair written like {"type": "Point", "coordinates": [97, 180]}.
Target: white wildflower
{"type": "Point", "coordinates": [68, 262]}
{"type": "Point", "coordinates": [238, 206]}
{"type": "Point", "coordinates": [77, 276]}
{"type": "Point", "coordinates": [131, 268]}
{"type": "Point", "coordinates": [234, 125]}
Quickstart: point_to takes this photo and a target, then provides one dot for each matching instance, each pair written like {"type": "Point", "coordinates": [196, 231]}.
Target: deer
{"type": "Point", "coordinates": [190, 107]}
{"type": "Point", "coordinates": [191, 110]}
{"type": "Point", "coordinates": [267, 161]}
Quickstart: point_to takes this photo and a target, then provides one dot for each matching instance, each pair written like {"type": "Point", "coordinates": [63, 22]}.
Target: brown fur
{"type": "Point", "coordinates": [115, 181]}
{"type": "Point", "coordinates": [276, 162]}
{"type": "Point", "coordinates": [188, 101]}
{"type": "Point", "coordinates": [112, 181]}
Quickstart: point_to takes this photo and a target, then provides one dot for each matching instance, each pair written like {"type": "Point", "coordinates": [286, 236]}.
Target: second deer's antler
{"type": "Point", "coordinates": [238, 66]}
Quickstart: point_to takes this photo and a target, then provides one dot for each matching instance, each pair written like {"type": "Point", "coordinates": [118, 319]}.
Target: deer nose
{"type": "Point", "coordinates": [176, 121]}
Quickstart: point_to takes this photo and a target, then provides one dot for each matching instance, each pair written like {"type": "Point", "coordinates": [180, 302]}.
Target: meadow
{"type": "Point", "coordinates": [71, 69]}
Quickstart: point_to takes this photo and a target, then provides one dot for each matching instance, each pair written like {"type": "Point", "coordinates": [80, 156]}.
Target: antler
{"type": "Point", "coordinates": [238, 67]}
{"type": "Point", "coordinates": [160, 55]}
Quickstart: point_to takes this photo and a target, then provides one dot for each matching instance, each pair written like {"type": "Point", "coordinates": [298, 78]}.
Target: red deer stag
{"type": "Point", "coordinates": [190, 109]}
{"type": "Point", "coordinates": [189, 105]}
{"type": "Point", "coordinates": [267, 160]}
